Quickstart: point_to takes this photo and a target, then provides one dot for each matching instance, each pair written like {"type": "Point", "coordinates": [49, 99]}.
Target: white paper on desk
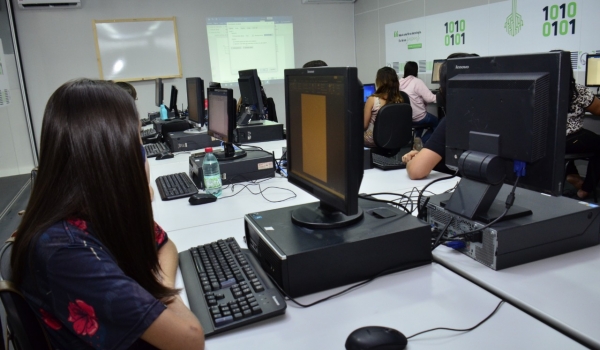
{"type": "Point", "coordinates": [4, 86]}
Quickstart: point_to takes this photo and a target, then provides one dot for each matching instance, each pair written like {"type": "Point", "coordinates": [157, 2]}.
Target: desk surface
{"type": "Point", "coordinates": [410, 301]}
{"type": "Point", "coordinates": [563, 291]}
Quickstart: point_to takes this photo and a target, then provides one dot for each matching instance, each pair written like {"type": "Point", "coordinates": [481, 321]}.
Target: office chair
{"type": "Point", "coordinates": [271, 109]}
{"type": "Point", "coordinates": [417, 130]}
{"type": "Point", "coordinates": [24, 329]}
{"type": "Point", "coordinates": [569, 157]}
{"type": "Point", "coordinates": [392, 129]}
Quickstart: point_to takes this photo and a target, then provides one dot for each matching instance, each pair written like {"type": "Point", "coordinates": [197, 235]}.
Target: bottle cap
{"type": "Point", "coordinates": [208, 150]}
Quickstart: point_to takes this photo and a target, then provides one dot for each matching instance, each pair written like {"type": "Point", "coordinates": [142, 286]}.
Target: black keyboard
{"type": "Point", "coordinates": [145, 121]}
{"type": "Point", "coordinates": [227, 288]}
{"type": "Point", "coordinates": [154, 149]}
{"type": "Point", "coordinates": [148, 132]}
{"type": "Point", "coordinates": [387, 163]}
{"type": "Point", "coordinates": [175, 186]}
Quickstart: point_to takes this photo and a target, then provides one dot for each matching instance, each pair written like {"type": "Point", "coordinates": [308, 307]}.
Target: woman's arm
{"type": "Point", "coordinates": [594, 108]}
{"type": "Point", "coordinates": [367, 113]}
{"type": "Point", "coordinates": [422, 90]}
{"type": "Point", "coordinates": [422, 163]}
{"type": "Point", "coordinates": [176, 327]}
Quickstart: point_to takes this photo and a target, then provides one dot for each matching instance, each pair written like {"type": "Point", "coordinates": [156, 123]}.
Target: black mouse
{"type": "Point", "coordinates": [165, 155]}
{"type": "Point", "coordinates": [376, 337]}
{"type": "Point", "coordinates": [202, 198]}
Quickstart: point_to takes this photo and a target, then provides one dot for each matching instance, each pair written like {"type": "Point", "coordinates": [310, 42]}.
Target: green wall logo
{"type": "Point", "coordinates": [514, 22]}
{"type": "Point", "coordinates": [395, 34]}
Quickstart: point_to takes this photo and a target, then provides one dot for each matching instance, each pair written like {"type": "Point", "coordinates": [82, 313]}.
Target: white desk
{"type": "Point", "coordinates": [563, 291]}
{"type": "Point", "coordinates": [410, 301]}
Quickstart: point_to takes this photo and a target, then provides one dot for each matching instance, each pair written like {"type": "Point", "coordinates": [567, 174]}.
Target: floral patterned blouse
{"type": "Point", "coordinates": [584, 99]}
{"type": "Point", "coordinates": [82, 296]}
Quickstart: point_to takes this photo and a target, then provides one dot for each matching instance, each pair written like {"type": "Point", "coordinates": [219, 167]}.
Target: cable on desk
{"type": "Point", "coordinates": [462, 330]}
{"type": "Point", "coordinates": [261, 190]}
{"type": "Point", "coordinates": [397, 204]}
{"type": "Point", "coordinates": [419, 207]}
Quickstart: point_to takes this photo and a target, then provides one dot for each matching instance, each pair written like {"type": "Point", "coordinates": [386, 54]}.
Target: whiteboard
{"type": "Point", "coordinates": [137, 49]}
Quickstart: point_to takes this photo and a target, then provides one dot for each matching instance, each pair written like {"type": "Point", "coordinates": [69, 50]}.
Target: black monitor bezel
{"type": "Point", "coordinates": [353, 132]}
{"type": "Point", "coordinates": [441, 61]}
{"type": "Point", "coordinates": [587, 59]}
{"type": "Point", "coordinates": [196, 100]}
{"type": "Point", "coordinates": [158, 92]}
{"type": "Point", "coordinates": [250, 92]}
{"type": "Point", "coordinates": [548, 173]}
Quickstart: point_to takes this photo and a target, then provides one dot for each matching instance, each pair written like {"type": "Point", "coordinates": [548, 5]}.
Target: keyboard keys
{"type": "Point", "coordinates": [175, 186]}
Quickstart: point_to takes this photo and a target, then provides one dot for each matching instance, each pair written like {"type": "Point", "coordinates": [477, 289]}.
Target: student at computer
{"type": "Point", "coordinates": [387, 91]}
{"type": "Point", "coordinates": [419, 164]}
{"type": "Point", "coordinates": [88, 257]}
{"type": "Point", "coordinates": [580, 140]}
{"type": "Point", "coordinates": [419, 96]}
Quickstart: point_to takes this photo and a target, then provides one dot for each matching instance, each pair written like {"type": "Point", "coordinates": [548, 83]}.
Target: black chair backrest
{"type": "Point", "coordinates": [26, 330]}
{"type": "Point", "coordinates": [405, 97]}
{"type": "Point", "coordinates": [393, 128]}
{"type": "Point", "coordinates": [271, 109]}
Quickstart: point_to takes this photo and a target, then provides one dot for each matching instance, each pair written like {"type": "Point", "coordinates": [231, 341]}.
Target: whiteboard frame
{"type": "Point", "coordinates": [175, 38]}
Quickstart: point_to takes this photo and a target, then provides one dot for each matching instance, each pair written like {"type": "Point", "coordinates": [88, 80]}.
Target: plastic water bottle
{"type": "Point", "coordinates": [163, 112]}
{"type": "Point", "coordinates": [212, 173]}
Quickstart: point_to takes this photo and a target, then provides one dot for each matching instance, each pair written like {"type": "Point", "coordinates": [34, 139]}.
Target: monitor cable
{"type": "Point", "coordinates": [420, 208]}
{"type": "Point", "coordinates": [396, 204]}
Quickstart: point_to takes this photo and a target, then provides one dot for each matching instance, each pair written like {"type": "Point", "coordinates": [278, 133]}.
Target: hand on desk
{"type": "Point", "coordinates": [409, 156]}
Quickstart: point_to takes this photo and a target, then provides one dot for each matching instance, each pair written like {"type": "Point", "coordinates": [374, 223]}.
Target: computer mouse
{"type": "Point", "coordinates": [376, 337]}
{"type": "Point", "coordinates": [202, 198]}
{"type": "Point", "coordinates": [165, 155]}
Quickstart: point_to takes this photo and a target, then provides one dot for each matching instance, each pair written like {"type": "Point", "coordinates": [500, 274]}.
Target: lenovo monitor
{"type": "Point", "coordinates": [505, 112]}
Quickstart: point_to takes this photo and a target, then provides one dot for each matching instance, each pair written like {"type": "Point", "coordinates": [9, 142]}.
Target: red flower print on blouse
{"type": "Point", "coordinates": [50, 320]}
{"type": "Point", "coordinates": [80, 224]}
{"type": "Point", "coordinates": [83, 317]}
{"type": "Point", "coordinates": [159, 234]}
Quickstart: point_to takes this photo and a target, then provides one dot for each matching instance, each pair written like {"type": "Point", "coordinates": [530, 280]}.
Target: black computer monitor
{"type": "Point", "coordinates": [221, 122]}
{"type": "Point", "coordinates": [195, 100]}
{"type": "Point", "coordinates": [214, 84]}
{"type": "Point", "coordinates": [369, 89]}
{"type": "Point", "coordinates": [503, 109]}
{"type": "Point", "coordinates": [435, 71]}
{"type": "Point", "coordinates": [325, 143]}
{"type": "Point", "coordinates": [592, 70]}
{"type": "Point", "coordinates": [173, 100]}
{"type": "Point", "coordinates": [249, 84]}
{"type": "Point", "coordinates": [158, 92]}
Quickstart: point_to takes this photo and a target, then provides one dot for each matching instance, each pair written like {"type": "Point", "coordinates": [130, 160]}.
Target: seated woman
{"type": "Point", "coordinates": [419, 96]}
{"type": "Point", "coordinates": [387, 91]}
{"type": "Point", "coordinates": [88, 256]}
{"type": "Point", "coordinates": [580, 140]}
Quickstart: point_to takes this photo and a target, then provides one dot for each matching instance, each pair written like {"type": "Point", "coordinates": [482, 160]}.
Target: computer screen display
{"type": "Point", "coordinates": [369, 89]}
{"type": "Point", "coordinates": [324, 142]}
{"type": "Point", "coordinates": [158, 92]}
{"type": "Point", "coordinates": [249, 84]}
{"type": "Point", "coordinates": [592, 70]}
{"type": "Point", "coordinates": [173, 99]}
{"type": "Point", "coordinates": [513, 107]}
{"type": "Point", "coordinates": [195, 100]}
{"type": "Point", "coordinates": [435, 71]}
{"type": "Point", "coordinates": [221, 121]}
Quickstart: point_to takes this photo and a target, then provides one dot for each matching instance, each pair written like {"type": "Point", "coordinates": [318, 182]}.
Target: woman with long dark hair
{"type": "Point", "coordinates": [387, 91]}
{"type": "Point", "coordinates": [88, 257]}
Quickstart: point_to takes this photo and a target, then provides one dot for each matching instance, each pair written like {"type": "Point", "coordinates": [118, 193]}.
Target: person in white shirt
{"type": "Point", "coordinates": [419, 96]}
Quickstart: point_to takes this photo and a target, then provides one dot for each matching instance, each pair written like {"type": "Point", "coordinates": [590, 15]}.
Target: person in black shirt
{"type": "Point", "coordinates": [432, 157]}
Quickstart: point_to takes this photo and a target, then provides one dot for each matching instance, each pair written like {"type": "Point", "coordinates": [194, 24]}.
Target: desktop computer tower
{"type": "Point", "coordinates": [188, 141]}
{"type": "Point", "coordinates": [304, 261]}
{"type": "Point", "coordinates": [557, 225]}
{"type": "Point", "coordinates": [255, 165]}
{"type": "Point", "coordinates": [267, 131]}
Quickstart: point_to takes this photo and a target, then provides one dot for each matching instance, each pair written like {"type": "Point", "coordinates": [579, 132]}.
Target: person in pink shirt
{"type": "Point", "coordinates": [419, 96]}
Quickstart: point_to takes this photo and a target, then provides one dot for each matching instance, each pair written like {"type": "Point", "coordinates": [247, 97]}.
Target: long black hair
{"type": "Point", "coordinates": [91, 167]}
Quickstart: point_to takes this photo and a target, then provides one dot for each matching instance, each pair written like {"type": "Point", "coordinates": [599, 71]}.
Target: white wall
{"type": "Point", "coordinates": [58, 45]}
